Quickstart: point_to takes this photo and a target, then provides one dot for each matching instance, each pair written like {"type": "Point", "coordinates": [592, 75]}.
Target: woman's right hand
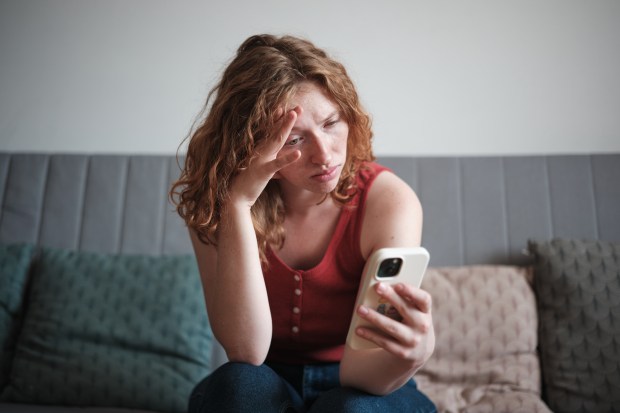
{"type": "Point", "coordinates": [251, 181]}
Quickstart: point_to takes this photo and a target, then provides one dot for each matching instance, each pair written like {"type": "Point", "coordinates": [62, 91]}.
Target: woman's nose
{"type": "Point", "coordinates": [321, 154]}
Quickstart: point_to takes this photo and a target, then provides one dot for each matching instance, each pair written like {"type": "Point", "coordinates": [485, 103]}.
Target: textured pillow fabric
{"type": "Point", "coordinates": [578, 289]}
{"type": "Point", "coordinates": [485, 356]}
{"type": "Point", "coordinates": [14, 264]}
{"type": "Point", "coordinates": [112, 330]}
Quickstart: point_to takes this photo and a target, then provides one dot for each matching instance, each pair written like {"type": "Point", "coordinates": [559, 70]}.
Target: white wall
{"type": "Point", "coordinates": [439, 77]}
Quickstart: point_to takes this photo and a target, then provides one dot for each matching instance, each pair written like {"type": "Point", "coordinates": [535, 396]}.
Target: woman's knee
{"type": "Point", "coordinates": [232, 379]}
{"type": "Point", "coordinates": [345, 400]}
{"type": "Point", "coordinates": [238, 387]}
{"type": "Point", "coordinates": [242, 374]}
{"type": "Point", "coordinates": [348, 400]}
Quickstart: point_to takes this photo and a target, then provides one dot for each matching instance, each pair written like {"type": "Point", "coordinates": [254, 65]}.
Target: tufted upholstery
{"type": "Point", "coordinates": [14, 264]}
{"type": "Point", "coordinates": [578, 286]}
{"type": "Point", "coordinates": [485, 358]}
{"type": "Point", "coordinates": [476, 210]}
{"type": "Point", "coordinates": [111, 330]}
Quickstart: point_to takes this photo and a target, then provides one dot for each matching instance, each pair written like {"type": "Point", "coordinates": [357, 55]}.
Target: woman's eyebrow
{"type": "Point", "coordinates": [335, 113]}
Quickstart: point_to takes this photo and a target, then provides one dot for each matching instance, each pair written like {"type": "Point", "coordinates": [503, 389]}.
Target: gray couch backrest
{"type": "Point", "coordinates": [476, 209]}
{"type": "Point", "coordinates": [484, 209]}
{"type": "Point", "coordinates": [97, 203]}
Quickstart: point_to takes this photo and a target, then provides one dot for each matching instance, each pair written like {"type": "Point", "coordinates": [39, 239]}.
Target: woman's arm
{"type": "Point", "coordinates": [231, 273]}
{"type": "Point", "coordinates": [393, 218]}
{"type": "Point", "coordinates": [234, 289]}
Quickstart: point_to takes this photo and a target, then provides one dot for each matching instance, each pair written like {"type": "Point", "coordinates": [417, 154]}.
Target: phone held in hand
{"type": "Point", "coordinates": [389, 266]}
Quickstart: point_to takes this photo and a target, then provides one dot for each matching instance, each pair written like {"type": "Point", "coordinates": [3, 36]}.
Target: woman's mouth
{"type": "Point", "coordinates": [326, 175]}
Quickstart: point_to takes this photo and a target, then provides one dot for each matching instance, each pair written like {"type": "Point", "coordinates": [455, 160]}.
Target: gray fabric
{"type": "Point", "coordinates": [476, 209]}
{"type": "Point", "coordinates": [23, 198]}
{"type": "Point", "coordinates": [32, 408]}
{"type": "Point", "coordinates": [483, 210]}
{"type": "Point", "coordinates": [577, 284]}
{"type": "Point", "coordinates": [111, 330]}
{"type": "Point", "coordinates": [15, 261]}
{"type": "Point", "coordinates": [99, 203]}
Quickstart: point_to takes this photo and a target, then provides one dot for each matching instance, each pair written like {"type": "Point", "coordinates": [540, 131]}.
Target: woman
{"type": "Point", "coordinates": [284, 206]}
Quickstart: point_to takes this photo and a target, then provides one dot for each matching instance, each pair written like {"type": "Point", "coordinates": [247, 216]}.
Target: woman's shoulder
{"type": "Point", "coordinates": [390, 191]}
{"type": "Point", "coordinates": [382, 188]}
{"type": "Point", "coordinates": [393, 213]}
{"type": "Point", "coordinates": [368, 171]}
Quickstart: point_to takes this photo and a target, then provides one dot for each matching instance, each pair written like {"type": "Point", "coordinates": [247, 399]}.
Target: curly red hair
{"type": "Point", "coordinates": [240, 113]}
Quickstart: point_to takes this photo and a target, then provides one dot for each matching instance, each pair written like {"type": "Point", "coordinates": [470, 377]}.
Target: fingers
{"type": "Point", "coordinates": [384, 329]}
{"type": "Point", "coordinates": [268, 160]}
{"type": "Point", "coordinates": [283, 161]}
{"type": "Point", "coordinates": [413, 304]}
{"type": "Point", "coordinates": [399, 338]}
{"type": "Point", "coordinates": [403, 349]}
{"type": "Point", "coordinates": [286, 126]}
{"type": "Point", "coordinates": [421, 299]}
{"type": "Point", "coordinates": [282, 130]}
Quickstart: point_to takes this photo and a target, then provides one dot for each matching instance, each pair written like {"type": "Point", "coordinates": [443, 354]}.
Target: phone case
{"type": "Point", "coordinates": [412, 268]}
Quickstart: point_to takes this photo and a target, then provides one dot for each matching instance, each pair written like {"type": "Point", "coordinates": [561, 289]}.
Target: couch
{"type": "Point", "coordinates": [101, 308]}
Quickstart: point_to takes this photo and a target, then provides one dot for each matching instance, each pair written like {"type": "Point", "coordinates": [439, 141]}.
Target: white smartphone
{"type": "Point", "coordinates": [390, 266]}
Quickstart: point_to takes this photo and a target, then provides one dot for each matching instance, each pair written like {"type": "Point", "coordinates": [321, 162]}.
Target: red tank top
{"type": "Point", "coordinates": [311, 310]}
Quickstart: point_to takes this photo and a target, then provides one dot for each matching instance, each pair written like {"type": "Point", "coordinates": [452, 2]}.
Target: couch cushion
{"type": "Point", "coordinates": [14, 264]}
{"type": "Point", "coordinates": [38, 408]}
{"type": "Point", "coordinates": [486, 328]}
{"type": "Point", "coordinates": [112, 330]}
{"type": "Point", "coordinates": [577, 284]}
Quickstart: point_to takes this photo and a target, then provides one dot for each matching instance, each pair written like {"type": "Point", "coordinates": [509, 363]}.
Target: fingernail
{"type": "Point", "coordinates": [363, 310]}
{"type": "Point", "coordinates": [380, 288]}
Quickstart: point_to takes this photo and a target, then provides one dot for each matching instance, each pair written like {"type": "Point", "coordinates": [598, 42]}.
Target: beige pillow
{"type": "Point", "coordinates": [486, 324]}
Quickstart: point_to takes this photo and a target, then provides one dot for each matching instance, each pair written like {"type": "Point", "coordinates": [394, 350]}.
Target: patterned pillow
{"type": "Point", "coordinates": [578, 288]}
{"type": "Point", "coordinates": [112, 330]}
{"type": "Point", "coordinates": [14, 265]}
{"type": "Point", "coordinates": [485, 357]}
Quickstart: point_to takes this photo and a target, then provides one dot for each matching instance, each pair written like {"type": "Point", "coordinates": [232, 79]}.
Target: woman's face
{"type": "Point", "coordinates": [320, 134]}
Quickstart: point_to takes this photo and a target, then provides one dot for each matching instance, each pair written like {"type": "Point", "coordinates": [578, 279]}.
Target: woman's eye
{"type": "Point", "coordinates": [331, 122]}
{"type": "Point", "coordinates": [294, 141]}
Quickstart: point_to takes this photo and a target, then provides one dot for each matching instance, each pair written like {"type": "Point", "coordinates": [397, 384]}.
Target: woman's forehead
{"type": "Point", "coordinates": [310, 95]}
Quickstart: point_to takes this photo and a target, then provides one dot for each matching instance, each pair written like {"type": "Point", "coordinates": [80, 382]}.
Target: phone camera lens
{"type": "Point", "coordinates": [390, 267]}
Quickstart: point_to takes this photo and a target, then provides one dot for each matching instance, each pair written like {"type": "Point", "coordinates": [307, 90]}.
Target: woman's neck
{"type": "Point", "coordinates": [301, 202]}
{"type": "Point", "coordinates": [309, 226]}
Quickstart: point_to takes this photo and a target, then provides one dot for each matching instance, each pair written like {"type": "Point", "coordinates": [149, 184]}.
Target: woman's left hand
{"type": "Point", "coordinates": [411, 339]}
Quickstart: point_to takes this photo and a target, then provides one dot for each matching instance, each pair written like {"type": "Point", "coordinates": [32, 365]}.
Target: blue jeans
{"type": "Point", "coordinates": [281, 388]}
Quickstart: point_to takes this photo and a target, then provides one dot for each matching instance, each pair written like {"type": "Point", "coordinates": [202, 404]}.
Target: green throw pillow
{"type": "Point", "coordinates": [112, 330]}
{"type": "Point", "coordinates": [577, 284]}
{"type": "Point", "coordinates": [14, 264]}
